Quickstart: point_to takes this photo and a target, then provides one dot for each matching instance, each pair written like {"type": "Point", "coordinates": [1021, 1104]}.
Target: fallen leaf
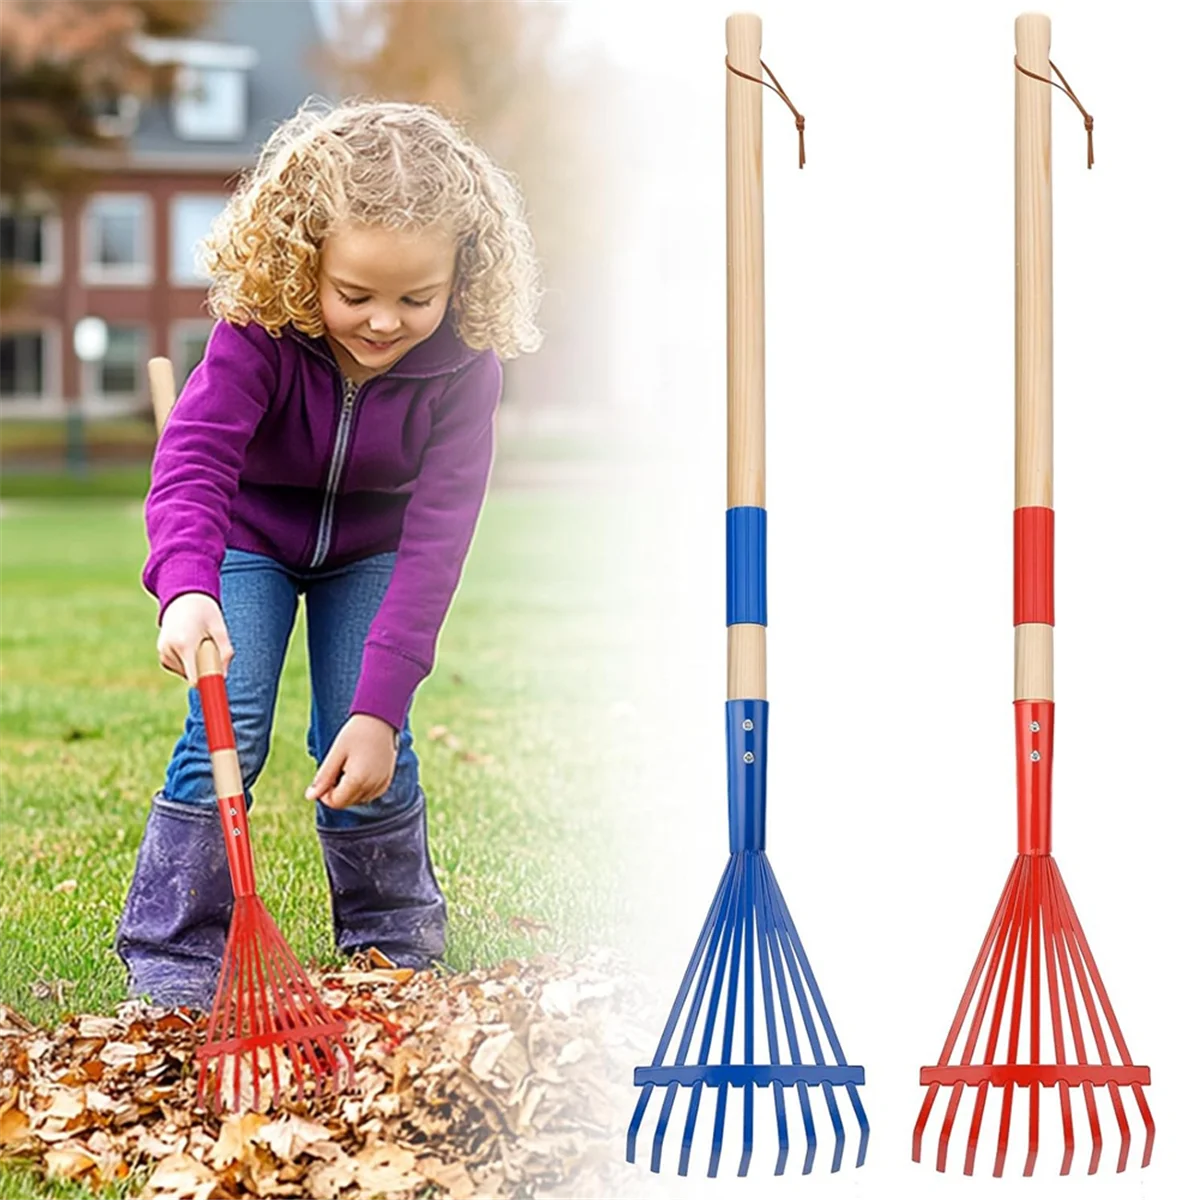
{"type": "Point", "coordinates": [181, 1177]}
{"type": "Point", "coordinates": [572, 1052]}
{"type": "Point", "coordinates": [98, 1027]}
{"type": "Point", "coordinates": [383, 1168]}
{"type": "Point", "coordinates": [377, 958]}
{"type": "Point", "coordinates": [486, 1057]}
{"type": "Point", "coordinates": [453, 1176]}
{"type": "Point", "coordinates": [14, 1125]}
{"type": "Point", "coordinates": [67, 1103]}
{"type": "Point", "coordinates": [123, 1054]}
{"type": "Point", "coordinates": [329, 1180]}
{"type": "Point", "coordinates": [68, 1162]}
{"type": "Point", "coordinates": [235, 1137]}
{"type": "Point", "coordinates": [290, 1136]}
{"type": "Point", "coordinates": [67, 885]}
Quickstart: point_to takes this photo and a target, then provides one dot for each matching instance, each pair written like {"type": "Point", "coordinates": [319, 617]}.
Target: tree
{"type": "Point", "coordinates": [60, 62]}
{"type": "Point", "coordinates": [498, 69]}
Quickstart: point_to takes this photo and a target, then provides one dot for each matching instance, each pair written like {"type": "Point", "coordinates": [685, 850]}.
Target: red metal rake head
{"type": "Point", "coordinates": [269, 1031]}
{"type": "Point", "coordinates": [1035, 1015]}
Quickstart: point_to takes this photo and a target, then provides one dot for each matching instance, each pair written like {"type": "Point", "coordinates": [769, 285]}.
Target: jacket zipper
{"type": "Point", "coordinates": [341, 444]}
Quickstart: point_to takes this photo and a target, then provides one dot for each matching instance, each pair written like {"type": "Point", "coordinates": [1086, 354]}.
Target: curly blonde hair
{"type": "Point", "coordinates": [373, 163]}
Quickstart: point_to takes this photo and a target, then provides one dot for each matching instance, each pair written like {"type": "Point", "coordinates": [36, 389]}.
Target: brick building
{"type": "Point", "coordinates": [125, 252]}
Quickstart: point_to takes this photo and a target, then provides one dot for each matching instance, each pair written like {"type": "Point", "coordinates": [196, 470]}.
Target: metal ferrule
{"type": "Point", "coordinates": [746, 748]}
{"type": "Point", "coordinates": [1035, 756]}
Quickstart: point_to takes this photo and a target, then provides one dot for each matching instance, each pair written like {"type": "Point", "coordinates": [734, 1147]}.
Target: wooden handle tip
{"type": "Point", "coordinates": [742, 28]}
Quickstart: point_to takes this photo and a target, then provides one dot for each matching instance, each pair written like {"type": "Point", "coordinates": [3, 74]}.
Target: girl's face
{"type": "Point", "coordinates": [382, 292]}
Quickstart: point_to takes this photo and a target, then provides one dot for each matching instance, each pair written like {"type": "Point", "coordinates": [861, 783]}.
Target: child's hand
{"type": "Point", "coordinates": [359, 765]}
{"type": "Point", "coordinates": [186, 622]}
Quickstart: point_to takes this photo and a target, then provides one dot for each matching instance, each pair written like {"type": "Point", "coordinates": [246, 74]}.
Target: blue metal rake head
{"type": "Point", "coordinates": [748, 977]}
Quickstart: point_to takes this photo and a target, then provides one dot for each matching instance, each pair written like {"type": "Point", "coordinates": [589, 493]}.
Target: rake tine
{"type": "Point", "coordinates": [1064, 970]}
{"type": "Point", "coordinates": [947, 1124]}
{"type": "Point", "coordinates": [864, 1126]}
{"type": "Point", "coordinates": [1147, 1120]}
{"type": "Point", "coordinates": [727, 1043]}
{"type": "Point", "coordinates": [923, 1119]}
{"type": "Point", "coordinates": [773, 942]}
{"type": "Point", "coordinates": [638, 1113]}
{"type": "Point", "coordinates": [1021, 935]}
{"type": "Point", "coordinates": [764, 966]}
{"type": "Point", "coordinates": [781, 1123]}
{"type": "Point", "coordinates": [1060, 1055]}
{"type": "Point", "coordinates": [810, 1130]}
{"type": "Point", "coordinates": [718, 1130]}
{"type": "Point", "coordinates": [747, 914]}
{"type": "Point", "coordinates": [660, 1131]}
{"type": "Point", "coordinates": [973, 1133]}
{"type": "Point", "coordinates": [839, 1130]}
{"type": "Point", "coordinates": [1122, 1125]}
{"type": "Point", "coordinates": [689, 1128]}
{"type": "Point", "coordinates": [1035, 1014]}
{"type": "Point", "coordinates": [1005, 1117]}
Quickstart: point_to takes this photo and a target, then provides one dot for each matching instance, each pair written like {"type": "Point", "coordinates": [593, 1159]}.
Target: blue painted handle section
{"type": "Point", "coordinates": [746, 565]}
{"type": "Point", "coordinates": [715, 1074]}
{"type": "Point", "coordinates": [746, 750]}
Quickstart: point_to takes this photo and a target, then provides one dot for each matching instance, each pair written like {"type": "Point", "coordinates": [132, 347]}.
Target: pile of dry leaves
{"type": "Point", "coordinates": [514, 1081]}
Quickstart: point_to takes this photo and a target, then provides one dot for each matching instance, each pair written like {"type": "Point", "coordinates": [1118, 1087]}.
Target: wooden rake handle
{"type": "Point", "coordinates": [745, 353]}
{"type": "Point", "coordinates": [1034, 376]}
{"type": "Point", "coordinates": [1034, 278]}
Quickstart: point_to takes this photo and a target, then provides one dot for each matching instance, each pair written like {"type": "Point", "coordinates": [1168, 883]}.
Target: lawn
{"type": "Point", "coordinates": [517, 792]}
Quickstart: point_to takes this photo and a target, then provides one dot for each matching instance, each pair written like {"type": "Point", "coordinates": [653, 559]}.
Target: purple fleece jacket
{"type": "Point", "coordinates": [264, 452]}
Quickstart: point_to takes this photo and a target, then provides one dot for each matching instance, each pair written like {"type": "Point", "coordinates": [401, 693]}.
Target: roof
{"type": "Point", "coordinates": [276, 43]}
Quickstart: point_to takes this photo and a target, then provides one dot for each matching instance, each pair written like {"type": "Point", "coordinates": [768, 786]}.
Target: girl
{"type": "Point", "coordinates": [334, 443]}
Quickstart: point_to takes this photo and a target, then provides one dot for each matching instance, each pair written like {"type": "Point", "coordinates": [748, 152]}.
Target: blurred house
{"type": "Point", "coordinates": [125, 251]}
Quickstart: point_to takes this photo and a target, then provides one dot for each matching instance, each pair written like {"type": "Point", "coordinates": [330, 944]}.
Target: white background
{"type": "Point", "coordinates": [891, 817]}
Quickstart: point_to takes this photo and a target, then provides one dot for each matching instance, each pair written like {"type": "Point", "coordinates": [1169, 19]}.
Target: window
{"type": "Point", "coordinates": [210, 103]}
{"type": "Point", "coordinates": [191, 219]}
{"type": "Point", "coordinates": [115, 113]}
{"type": "Point", "coordinates": [189, 340]}
{"type": "Point", "coordinates": [22, 364]}
{"type": "Point", "coordinates": [119, 373]}
{"type": "Point", "coordinates": [116, 239]}
{"type": "Point", "coordinates": [30, 243]}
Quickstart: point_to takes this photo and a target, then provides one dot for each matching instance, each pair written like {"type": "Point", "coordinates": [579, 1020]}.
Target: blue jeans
{"type": "Point", "coordinates": [259, 598]}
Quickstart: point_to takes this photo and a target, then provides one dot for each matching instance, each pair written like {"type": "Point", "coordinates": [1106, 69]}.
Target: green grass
{"type": "Point", "coordinates": [89, 720]}
{"type": "Point", "coordinates": [26, 435]}
{"type": "Point", "coordinates": [24, 1181]}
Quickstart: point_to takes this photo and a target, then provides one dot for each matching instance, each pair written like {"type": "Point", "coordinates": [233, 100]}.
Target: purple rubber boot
{"type": "Point", "coordinates": [171, 935]}
{"type": "Point", "coordinates": [383, 889]}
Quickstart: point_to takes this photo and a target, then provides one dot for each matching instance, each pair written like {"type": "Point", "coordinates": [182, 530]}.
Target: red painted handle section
{"type": "Point", "coordinates": [1033, 566]}
{"type": "Point", "coordinates": [218, 728]}
{"type": "Point", "coordinates": [1035, 757]}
